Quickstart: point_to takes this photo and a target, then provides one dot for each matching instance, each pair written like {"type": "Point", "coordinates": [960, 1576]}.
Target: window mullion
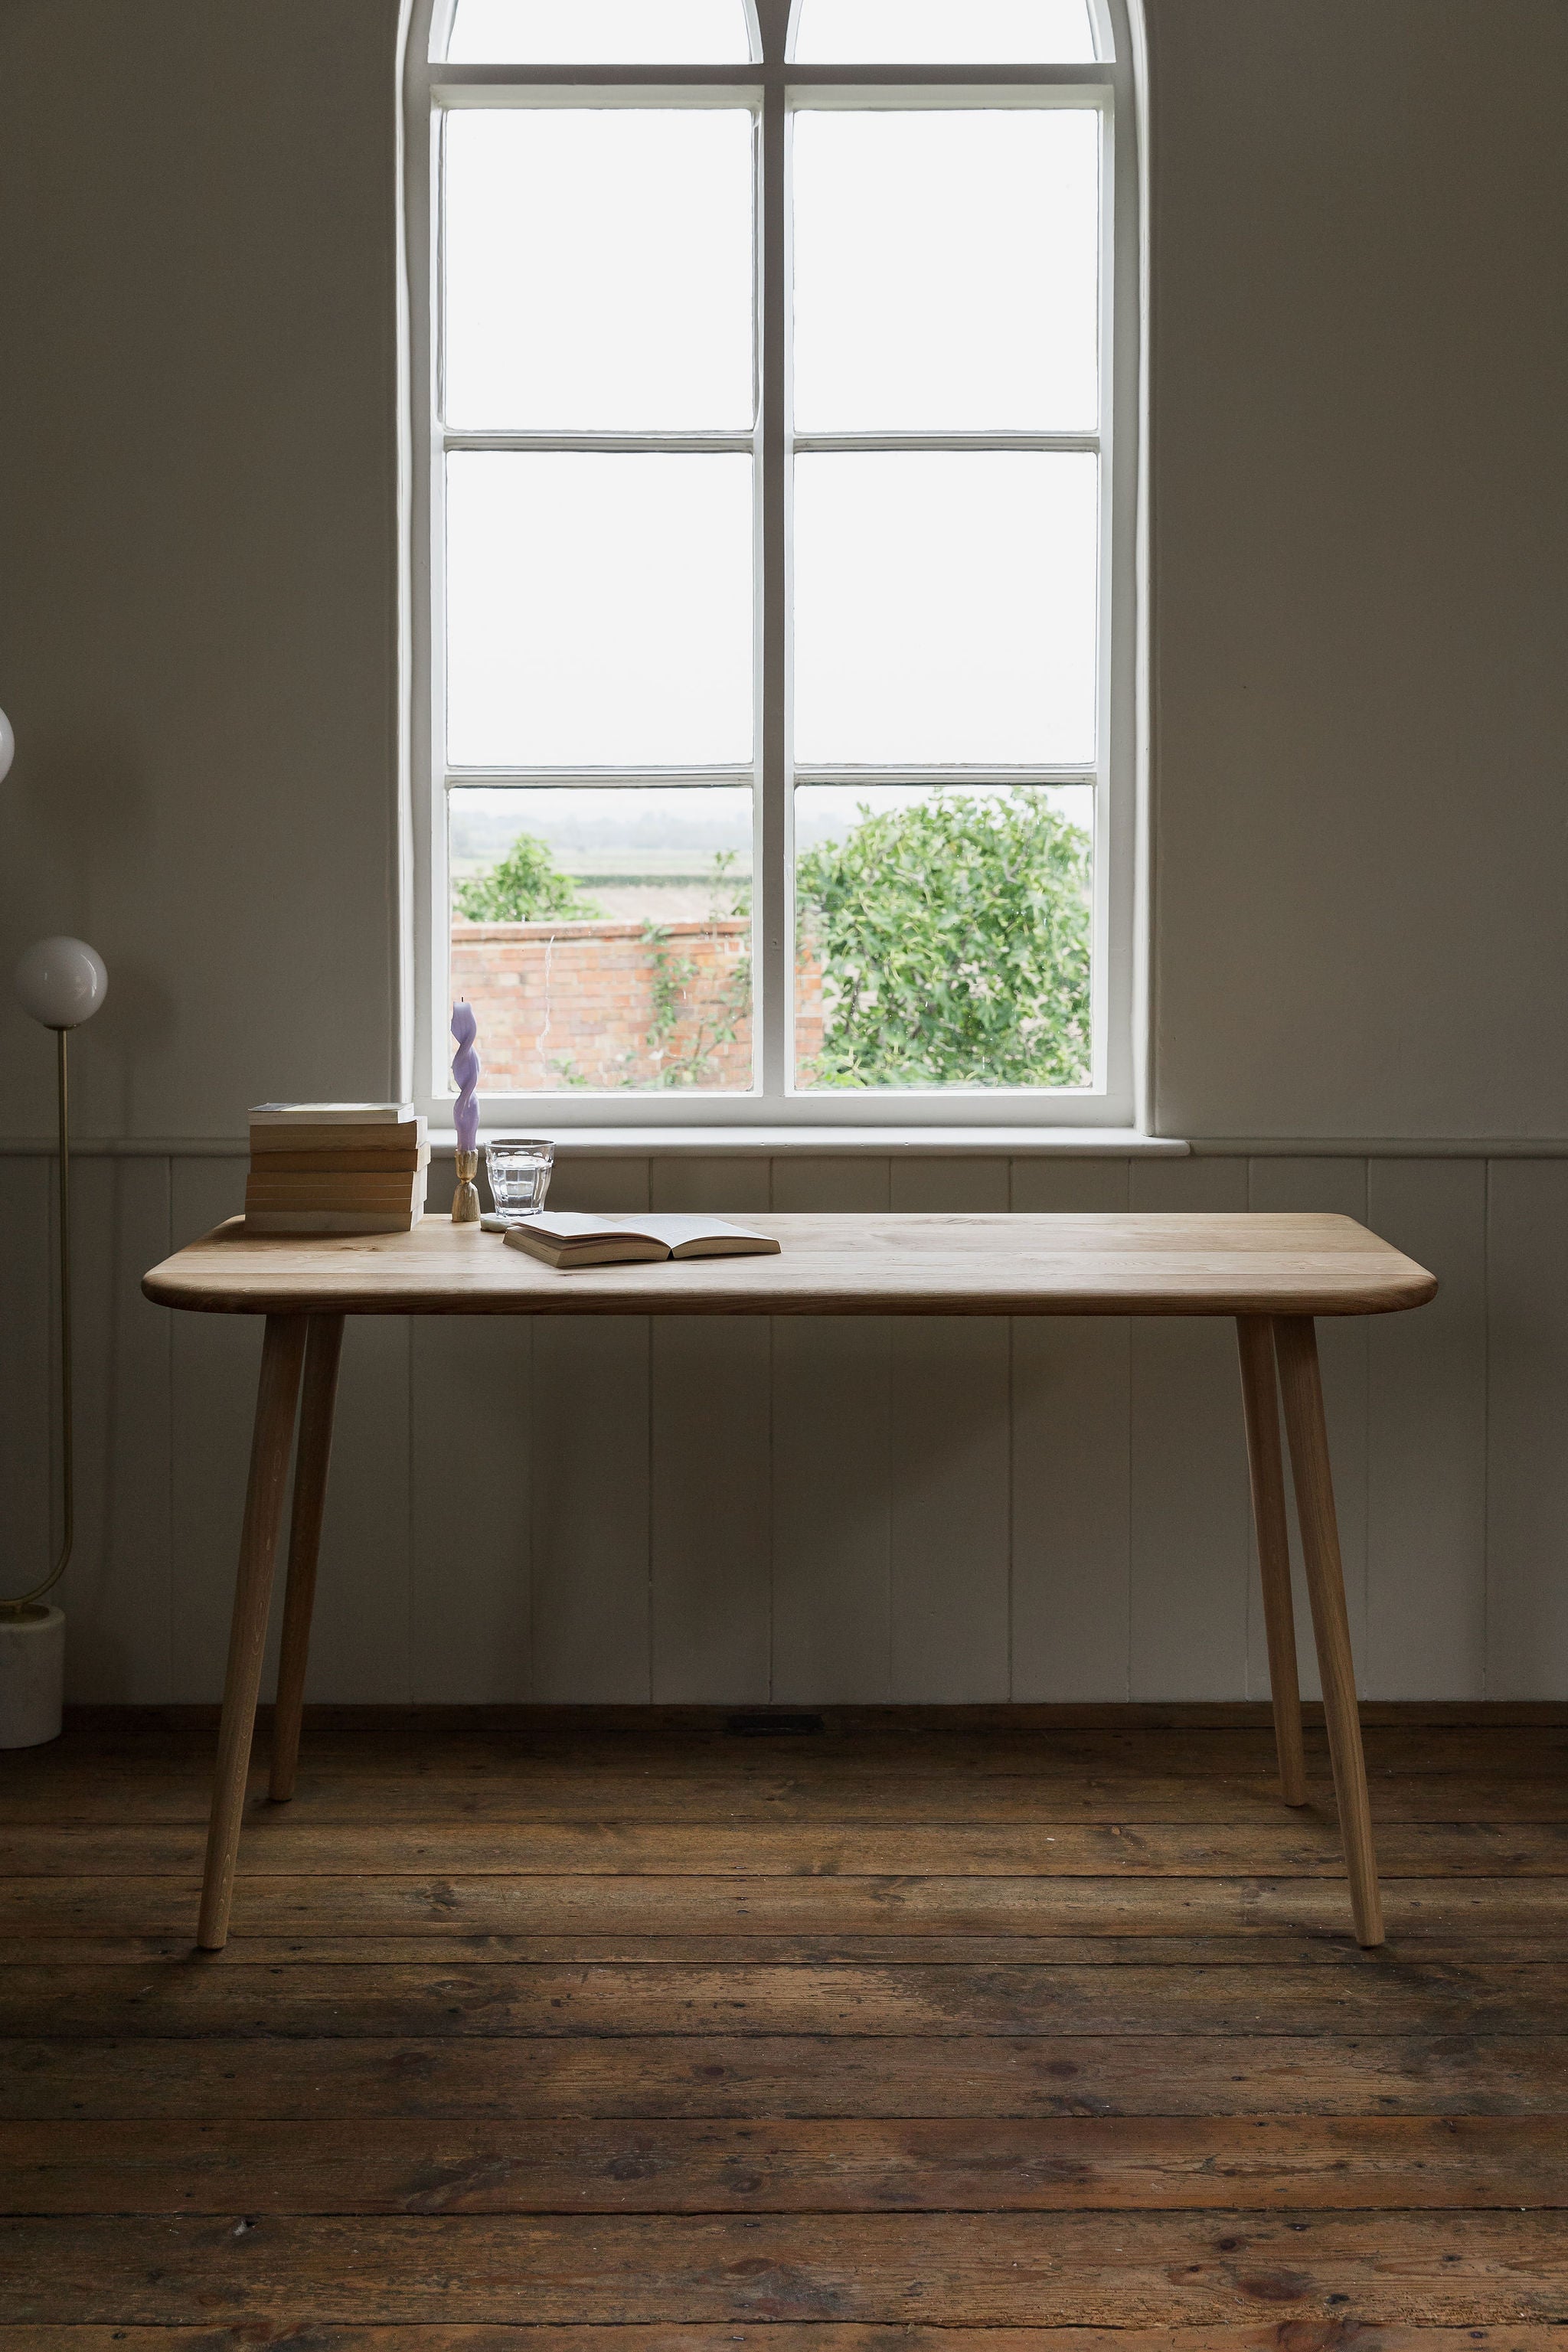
{"type": "Point", "coordinates": [772, 998]}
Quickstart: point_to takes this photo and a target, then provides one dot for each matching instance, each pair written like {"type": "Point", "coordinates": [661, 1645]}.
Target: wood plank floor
{"type": "Point", "coordinates": [977, 2031]}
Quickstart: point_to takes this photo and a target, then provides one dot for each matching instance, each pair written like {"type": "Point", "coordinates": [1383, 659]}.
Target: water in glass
{"type": "Point", "coordinates": [518, 1169]}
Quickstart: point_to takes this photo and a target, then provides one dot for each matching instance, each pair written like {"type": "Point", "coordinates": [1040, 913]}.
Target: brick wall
{"type": "Point", "coordinates": [590, 1003]}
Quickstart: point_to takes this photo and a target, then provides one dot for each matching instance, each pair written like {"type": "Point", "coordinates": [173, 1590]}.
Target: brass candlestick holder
{"type": "Point", "coordinates": [466, 1199]}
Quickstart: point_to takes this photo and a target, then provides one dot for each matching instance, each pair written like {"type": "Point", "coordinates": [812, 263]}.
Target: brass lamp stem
{"type": "Point", "coordinates": [26, 1604]}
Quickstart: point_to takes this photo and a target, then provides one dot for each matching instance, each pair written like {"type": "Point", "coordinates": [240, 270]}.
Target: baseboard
{"type": "Point", "coordinates": [1226, 1715]}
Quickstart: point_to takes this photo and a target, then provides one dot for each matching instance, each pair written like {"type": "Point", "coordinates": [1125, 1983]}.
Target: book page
{"type": "Point", "coordinates": [573, 1225]}
{"type": "Point", "coordinates": [569, 1225]}
{"type": "Point", "coordinates": [674, 1229]}
{"type": "Point", "coordinates": [578, 1225]}
{"type": "Point", "coordinates": [338, 1114]}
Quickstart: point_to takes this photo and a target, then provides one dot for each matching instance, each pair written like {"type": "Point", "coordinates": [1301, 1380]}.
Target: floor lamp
{"type": "Point", "coordinates": [61, 983]}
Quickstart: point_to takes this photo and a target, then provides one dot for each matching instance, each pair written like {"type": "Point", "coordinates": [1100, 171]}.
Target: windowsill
{"type": "Point", "coordinates": [776, 1142]}
{"type": "Point", "coordinates": [760, 1143]}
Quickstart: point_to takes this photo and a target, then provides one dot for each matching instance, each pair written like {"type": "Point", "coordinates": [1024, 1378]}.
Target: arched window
{"type": "Point", "coordinates": [773, 389]}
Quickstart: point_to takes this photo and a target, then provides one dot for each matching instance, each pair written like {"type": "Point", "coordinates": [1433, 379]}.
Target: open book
{"type": "Point", "coordinates": [567, 1238]}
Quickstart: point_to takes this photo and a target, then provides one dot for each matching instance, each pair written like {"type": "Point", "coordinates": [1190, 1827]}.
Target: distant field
{"type": "Point", "coordinates": [634, 897]}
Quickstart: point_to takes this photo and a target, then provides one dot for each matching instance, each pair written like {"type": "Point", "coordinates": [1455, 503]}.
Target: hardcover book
{"type": "Point", "coordinates": [567, 1238]}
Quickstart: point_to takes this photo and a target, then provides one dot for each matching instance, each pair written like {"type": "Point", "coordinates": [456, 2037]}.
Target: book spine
{"type": "Point", "coordinates": [330, 1221]}
{"type": "Point", "coordinates": [271, 1141]}
{"type": "Point", "coordinates": [390, 1160]}
{"type": "Point", "coordinates": [334, 1192]}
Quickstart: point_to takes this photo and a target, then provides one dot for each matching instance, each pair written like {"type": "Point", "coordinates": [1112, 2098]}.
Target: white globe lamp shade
{"type": "Point", "coordinates": [61, 983]}
{"type": "Point", "coordinates": [7, 747]}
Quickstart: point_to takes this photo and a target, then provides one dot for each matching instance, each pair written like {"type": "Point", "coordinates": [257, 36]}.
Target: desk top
{"type": "Point", "coordinates": [856, 1264]}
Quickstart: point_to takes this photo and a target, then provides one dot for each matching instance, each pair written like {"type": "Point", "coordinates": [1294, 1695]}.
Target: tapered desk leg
{"type": "Point", "coordinates": [276, 1398]}
{"type": "Point", "coordinates": [1300, 1383]}
{"type": "Point", "coordinates": [312, 1457]}
{"type": "Point", "coordinates": [1260, 1408]}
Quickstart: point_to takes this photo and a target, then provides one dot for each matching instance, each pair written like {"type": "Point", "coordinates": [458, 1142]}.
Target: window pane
{"type": "Point", "coordinates": [607, 32]}
{"type": "Point", "coordinates": [603, 937]}
{"type": "Point", "coordinates": [944, 32]}
{"type": "Point", "coordinates": [943, 935]}
{"type": "Point", "coordinates": [945, 608]}
{"type": "Point", "coordinates": [597, 267]}
{"type": "Point", "coordinates": [599, 610]}
{"type": "Point", "coordinates": [946, 270]}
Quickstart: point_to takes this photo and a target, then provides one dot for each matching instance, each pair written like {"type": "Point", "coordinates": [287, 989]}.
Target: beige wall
{"type": "Point", "coordinates": [1361, 499]}
{"type": "Point", "coordinates": [1361, 235]}
{"type": "Point", "coordinates": [198, 545]}
{"type": "Point", "coordinates": [1360, 487]}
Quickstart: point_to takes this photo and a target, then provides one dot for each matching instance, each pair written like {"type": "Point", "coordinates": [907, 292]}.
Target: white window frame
{"type": "Point", "coordinates": [1119, 1092]}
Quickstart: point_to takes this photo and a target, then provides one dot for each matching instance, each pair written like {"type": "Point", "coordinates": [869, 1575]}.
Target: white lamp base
{"type": "Point", "coordinates": [32, 1678]}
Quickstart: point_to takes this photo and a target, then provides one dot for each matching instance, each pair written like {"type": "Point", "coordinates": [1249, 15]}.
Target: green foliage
{"type": "Point", "coordinates": [673, 979]}
{"type": "Point", "coordinates": [954, 937]}
{"type": "Point", "coordinates": [731, 892]}
{"type": "Point", "coordinates": [527, 887]}
{"type": "Point", "coordinates": [673, 976]}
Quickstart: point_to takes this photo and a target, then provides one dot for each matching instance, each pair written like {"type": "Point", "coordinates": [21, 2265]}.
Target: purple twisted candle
{"type": "Point", "coordinates": [465, 1071]}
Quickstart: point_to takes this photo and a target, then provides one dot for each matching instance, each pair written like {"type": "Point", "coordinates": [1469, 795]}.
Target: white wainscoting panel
{"type": "Point", "coordinates": [1335, 1187]}
{"type": "Point", "coordinates": [711, 1451]}
{"type": "Point", "coordinates": [1072, 1417]}
{"type": "Point", "coordinates": [1190, 1519]}
{"type": "Point", "coordinates": [816, 1509]}
{"type": "Point", "coordinates": [711, 1566]}
{"type": "Point", "coordinates": [1426, 1440]}
{"type": "Point", "coordinates": [1527, 1429]}
{"type": "Point", "coordinates": [117, 1588]}
{"type": "Point", "coordinates": [361, 1651]}
{"type": "Point", "coordinates": [214, 1360]}
{"type": "Point", "coordinates": [950, 1491]}
{"type": "Point", "coordinates": [29, 1374]}
{"type": "Point", "coordinates": [470, 1516]}
{"type": "Point", "coordinates": [590, 1617]}
{"type": "Point", "coordinates": [831, 1504]}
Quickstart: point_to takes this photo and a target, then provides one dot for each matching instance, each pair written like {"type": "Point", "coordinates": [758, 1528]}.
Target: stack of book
{"type": "Point", "coordinates": [336, 1168]}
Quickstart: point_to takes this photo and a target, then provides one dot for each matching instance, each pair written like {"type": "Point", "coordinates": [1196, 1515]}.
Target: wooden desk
{"type": "Point", "coordinates": [1273, 1273]}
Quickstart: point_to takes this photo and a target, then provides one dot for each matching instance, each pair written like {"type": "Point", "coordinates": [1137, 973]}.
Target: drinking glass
{"type": "Point", "coordinates": [518, 1169]}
